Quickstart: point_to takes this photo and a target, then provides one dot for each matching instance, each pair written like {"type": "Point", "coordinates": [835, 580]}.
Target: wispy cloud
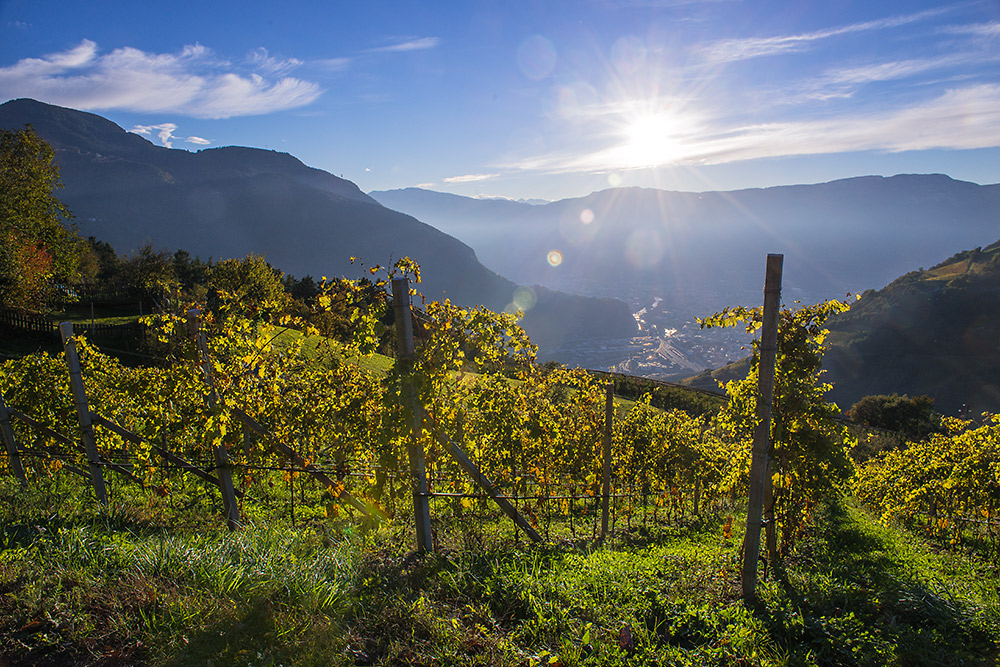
{"type": "Point", "coordinates": [849, 78]}
{"type": "Point", "coordinates": [261, 59]}
{"type": "Point", "coordinates": [190, 82]}
{"type": "Point", "coordinates": [198, 141]}
{"type": "Point", "coordinates": [331, 64]}
{"type": "Point", "coordinates": [991, 29]}
{"type": "Point", "coordinates": [962, 118]}
{"type": "Point", "coordinates": [470, 178]}
{"type": "Point", "coordinates": [730, 50]}
{"type": "Point", "coordinates": [417, 44]}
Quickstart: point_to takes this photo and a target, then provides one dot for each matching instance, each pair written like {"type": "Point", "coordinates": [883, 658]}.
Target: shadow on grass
{"type": "Point", "coordinates": [852, 597]}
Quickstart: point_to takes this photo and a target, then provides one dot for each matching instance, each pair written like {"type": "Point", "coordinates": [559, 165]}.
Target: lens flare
{"type": "Point", "coordinates": [524, 299]}
{"type": "Point", "coordinates": [643, 248]}
{"type": "Point", "coordinates": [555, 258]}
{"type": "Point", "coordinates": [536, 56]}
{"type": "Point", "coordinates": [586, 216]}
{"type": "Point", "coordinates": [628, 55]}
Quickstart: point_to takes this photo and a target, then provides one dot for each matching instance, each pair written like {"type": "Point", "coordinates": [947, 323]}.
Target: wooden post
{"type": "Point", "coordinates": [283, 449]}
{"type": "Point", "coordinates": [405, 352]}
{"type": "Point", "coordinates": [167, 456]}
{"type": "Point", "coordinates": [83, 412]}
{"type": "Point", "coordinates": [491, 490]}
{"type": "Point", "coordinates": [13, 457]}
{"type": "Point", "coordinates": [221, 454]}
{"type": "Point", "coordinates": [760, 464]}
{"type": "Point", "coordinates": [609, 416]}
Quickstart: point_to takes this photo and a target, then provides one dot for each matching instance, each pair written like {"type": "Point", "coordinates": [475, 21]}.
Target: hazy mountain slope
{"type": "Point", "coordinates": [228, 202]}
{"type": "Point", "coordinates": [933, 332]}
{"type": "Point", "coordinates": [703, 251]}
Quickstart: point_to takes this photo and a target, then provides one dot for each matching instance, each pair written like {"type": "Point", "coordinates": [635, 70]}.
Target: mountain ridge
{"type": "Point", "coordinates": [231, 201]}
{"type": "Point", "coordinates": [703, 250]}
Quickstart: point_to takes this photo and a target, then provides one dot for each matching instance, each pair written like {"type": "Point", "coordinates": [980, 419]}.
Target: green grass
{"type": "Point", "coordinates": [160, 582]}
{"type": "Point", "coordinates": [321, 351]}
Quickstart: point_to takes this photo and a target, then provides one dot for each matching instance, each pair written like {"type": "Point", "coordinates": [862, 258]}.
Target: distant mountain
{"type": "Point", "coordinates": [228, 202]}
{"type": "Point", "coordinates": [703, 251]}
{"type": "Point", "coordinates": [930, 332]}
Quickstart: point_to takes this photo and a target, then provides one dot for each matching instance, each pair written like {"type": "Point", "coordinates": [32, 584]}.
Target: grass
{"type": "Point", "coordinates": [152, 583]}
{"type": "Point", "coordinates": [321, 350]}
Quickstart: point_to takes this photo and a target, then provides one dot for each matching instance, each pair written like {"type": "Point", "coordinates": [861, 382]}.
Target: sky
{"type": "Point", "coordinates": [532, 99]}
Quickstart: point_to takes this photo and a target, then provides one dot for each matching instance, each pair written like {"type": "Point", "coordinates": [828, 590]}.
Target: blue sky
{"type": "Point", "coordinates": [536, 99]}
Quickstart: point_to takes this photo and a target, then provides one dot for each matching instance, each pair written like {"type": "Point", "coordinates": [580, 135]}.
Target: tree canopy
{"type": "Point", "coordinates": [39, 249]}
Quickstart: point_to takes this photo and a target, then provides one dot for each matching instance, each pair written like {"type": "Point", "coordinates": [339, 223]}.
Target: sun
{"type": "Point", "coordinates": [649, 140]}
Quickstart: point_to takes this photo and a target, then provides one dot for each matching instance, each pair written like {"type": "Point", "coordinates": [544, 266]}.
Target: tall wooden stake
{"type": "Point", "coordinates": [405, 352]}
{"type": "Point", "coordinates": [83, 412]}
{"type": "Point", "coordinates": [13, 457]}
{"type": "Point", "coordinates": [609, 416]}
{"type": "Point", "coordinates": [760, 464]}
{"type": "Point", "coordinates": [220, 452]}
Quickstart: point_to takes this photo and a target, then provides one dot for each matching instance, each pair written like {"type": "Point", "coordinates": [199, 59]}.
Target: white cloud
{"type": "Point", "coordinates": [190, 82]}
{"type": "Point", "coordinates": [469, 178]}
{"type": "Point", "coordinates": [261, 59]}
{"type": "Point", "coordinates": [729, 50]}
{"type": "Point", "coordinates": [844, 82]}
{"type": "Point", "coordinates": [991, 29]}
{"type": "Point", "coordinates": [165, 132]}
{"type": "Point", "coordinates": [962, 118]}
{"type": "Point", "coordinates": [418, 44]}
{"type": "Point", "coordinates": [332, 64]}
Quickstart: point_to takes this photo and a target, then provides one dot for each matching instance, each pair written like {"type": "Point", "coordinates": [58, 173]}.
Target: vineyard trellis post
{"type": "Point", "coordinates": [13, 457]}
{"type": "Point", "coordinates": [491, 489]}
{"type": "Point", "coordinates": [276, 445]}
{"type": "Point", "coordinates": [405, 352]}
{"type": "Point", "coordinates": [609, 416]}
{"type": "Point", "coordinates": [219, 451]}
{"type": "Point", "coordinates": [760, 461]}
{"type": "Point", "coordinates": [83, 412]}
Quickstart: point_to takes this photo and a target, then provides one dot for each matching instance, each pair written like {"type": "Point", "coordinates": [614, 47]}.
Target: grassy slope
{"type": "Point", "coordinates": [131, 587]}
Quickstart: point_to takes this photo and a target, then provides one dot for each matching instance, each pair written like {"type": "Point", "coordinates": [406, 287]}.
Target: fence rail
{"type": "Point", "coordinates": [29, 323]}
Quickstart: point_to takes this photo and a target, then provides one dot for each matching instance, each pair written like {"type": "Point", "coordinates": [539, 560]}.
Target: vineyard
{"type": "Point", "coordinates": [315, 435]}
{"type": "Point", "coordinates": [465, 446]}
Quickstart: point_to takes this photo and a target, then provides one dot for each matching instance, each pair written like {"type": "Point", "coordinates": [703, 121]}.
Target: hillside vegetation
{"type": "Point", "coordinates": [155, 578]}
{"type": "Point", "coordinates": [932, 332]}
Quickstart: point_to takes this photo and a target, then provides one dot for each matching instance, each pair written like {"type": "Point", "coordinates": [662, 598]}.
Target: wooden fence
{"type": "Point", "coordinates": [27, 323]}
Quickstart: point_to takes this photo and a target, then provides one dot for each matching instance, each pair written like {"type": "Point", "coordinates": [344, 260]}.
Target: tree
{"type": "Point", "coordinates": [914, 419]}
{"type": "Point", "coordinates": [148, 272]}
{"type": "Point", "coordinates": [249, 286]}
{"type": "Point", "coordinates": [808, 457]}
{"type": "Point", "coordinates": [40, 250]}
{"type": "Point", "coordinates": [191, 273]}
